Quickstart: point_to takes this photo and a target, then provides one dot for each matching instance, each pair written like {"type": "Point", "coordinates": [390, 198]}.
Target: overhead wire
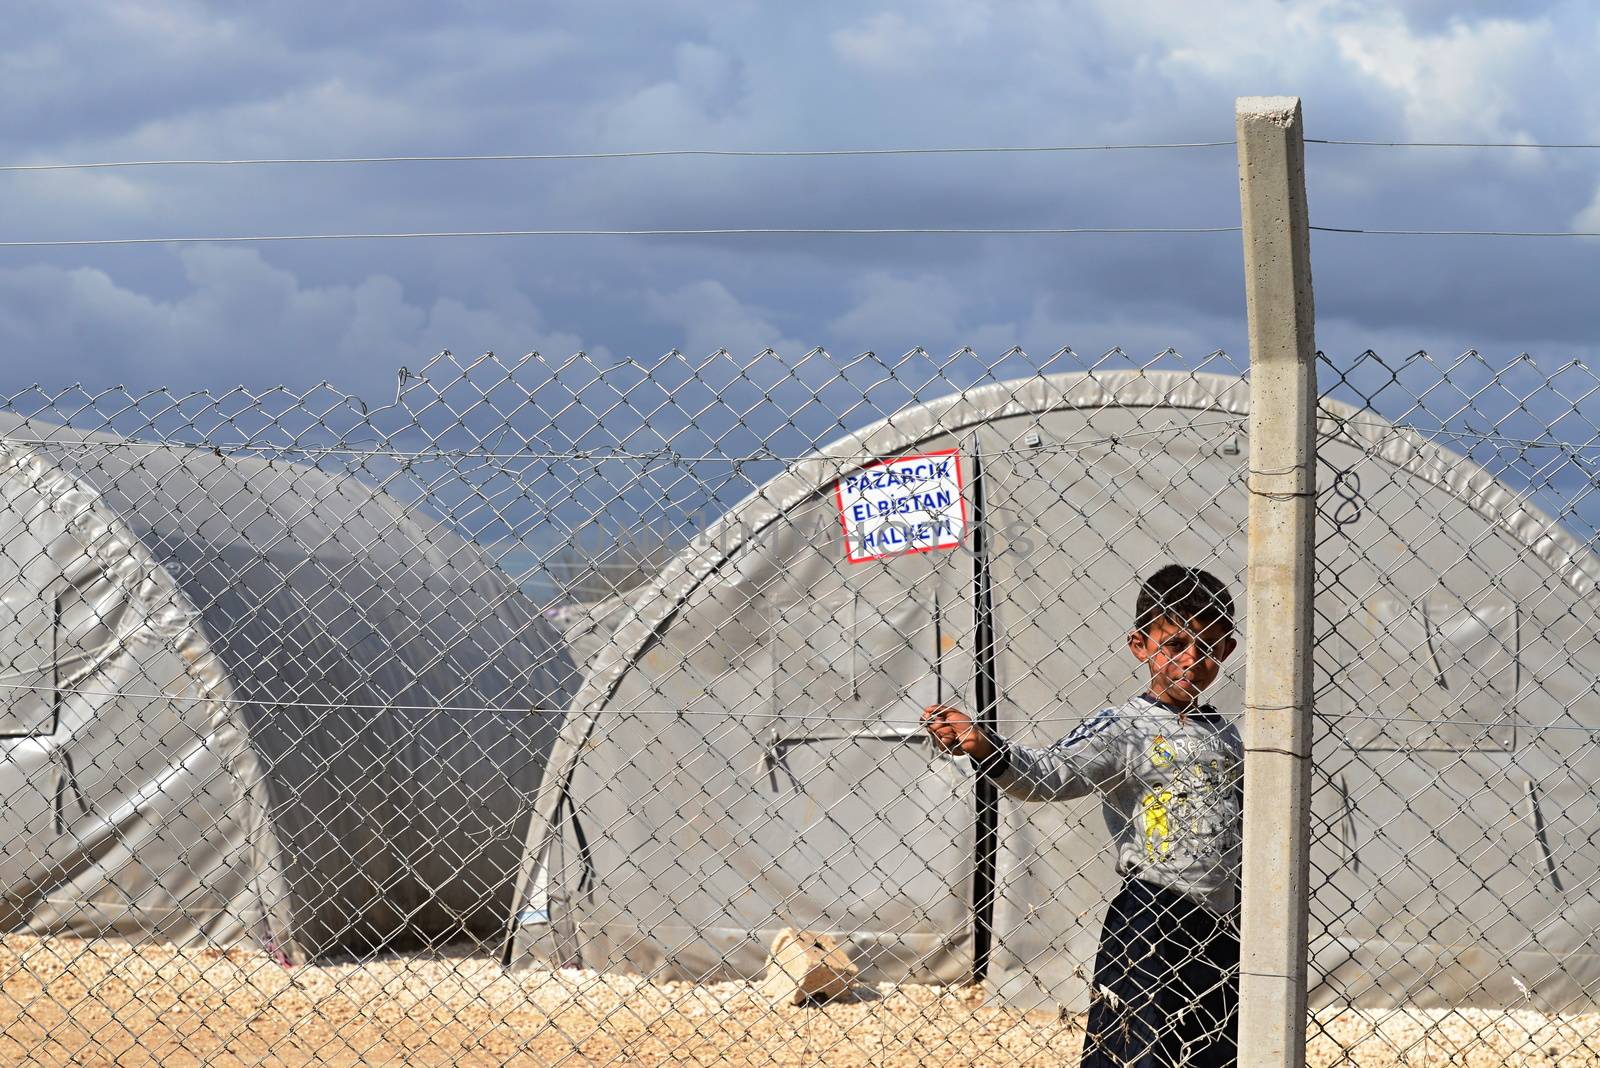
{"type": "Point", "coordinates": [505, 157]}
{"type": "Point", "coordinates": [750, 231]}
{"type": "Point", "coordinates": [1454, 233]}
{"type": "Point", "coordinates": [736, 153]}
{"type": "Point", "coordinates": [720, 231]}
{"type": "Point", "coordinates": [1447, 144]}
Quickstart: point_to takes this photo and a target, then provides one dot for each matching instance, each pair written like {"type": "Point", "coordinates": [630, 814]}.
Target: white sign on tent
{"type": "Point", "coordinates": [911, 504]}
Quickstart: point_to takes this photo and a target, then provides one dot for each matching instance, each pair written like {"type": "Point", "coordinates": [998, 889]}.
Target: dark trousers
{"type": "Point", "coordinates": [1166, 984]}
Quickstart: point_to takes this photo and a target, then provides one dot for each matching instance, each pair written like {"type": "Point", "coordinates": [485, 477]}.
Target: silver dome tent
{"type": "Point", "coordinates": [744, 754]}
{"type": "Point", "coordinates": [247, 699]}
{"type": "Point", "coordinates": [587, 626]}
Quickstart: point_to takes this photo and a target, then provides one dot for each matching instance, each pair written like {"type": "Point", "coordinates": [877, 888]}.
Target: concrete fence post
{"type": "Point", "coordinates": [1278, 635]}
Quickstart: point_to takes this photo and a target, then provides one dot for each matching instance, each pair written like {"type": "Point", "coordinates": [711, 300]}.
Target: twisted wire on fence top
{"type": "Point", "coordinates": [762, 456]}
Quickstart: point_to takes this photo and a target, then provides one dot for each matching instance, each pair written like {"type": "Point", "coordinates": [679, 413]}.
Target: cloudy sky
{"type": "Point", "coordinates": [99, 81]}
{"type": "Point", "coordinates": [112, 81]}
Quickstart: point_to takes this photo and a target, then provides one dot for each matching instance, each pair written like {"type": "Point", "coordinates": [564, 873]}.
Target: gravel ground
{"type": "Point", "coordinates": [99, 1003]}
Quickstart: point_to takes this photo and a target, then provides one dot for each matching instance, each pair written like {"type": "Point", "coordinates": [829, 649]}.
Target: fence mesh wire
{"type": "Point", "coordinates": [566, 711]}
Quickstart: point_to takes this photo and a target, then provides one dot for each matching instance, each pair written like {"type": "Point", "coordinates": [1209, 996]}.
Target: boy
{"type": "Point", "coordinates": [1171, 772]}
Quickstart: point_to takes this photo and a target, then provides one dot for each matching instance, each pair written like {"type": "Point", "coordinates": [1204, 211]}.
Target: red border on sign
{"type": "Point", "coordinates": [961, 495]}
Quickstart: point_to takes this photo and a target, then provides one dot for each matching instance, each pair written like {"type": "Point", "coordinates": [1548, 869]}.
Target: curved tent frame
{"type": "Point", "coordinates": [275, 705]}
{"type": "Point", "coordinates": [567, 917]}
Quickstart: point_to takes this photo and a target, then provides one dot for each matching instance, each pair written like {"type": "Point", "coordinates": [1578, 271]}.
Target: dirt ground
{"type": "Point", "coordinates": [101, 1003]}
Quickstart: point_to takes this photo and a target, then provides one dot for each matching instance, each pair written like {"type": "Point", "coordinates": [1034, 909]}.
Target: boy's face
{"type": "Point", "coordinates": [1184, 658]}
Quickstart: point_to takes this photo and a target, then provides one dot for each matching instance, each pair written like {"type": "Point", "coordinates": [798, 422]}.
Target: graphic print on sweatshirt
{"type": "Point", "coordinates": [1172, 787]}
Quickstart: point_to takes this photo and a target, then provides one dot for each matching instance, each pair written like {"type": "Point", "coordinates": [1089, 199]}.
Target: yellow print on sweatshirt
{"type": "Point", "coordinates": [1157, 827]}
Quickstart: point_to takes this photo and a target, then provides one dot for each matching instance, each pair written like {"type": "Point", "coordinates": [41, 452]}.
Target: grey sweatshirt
{"type": "Point", "coordinates": [1172, 791]}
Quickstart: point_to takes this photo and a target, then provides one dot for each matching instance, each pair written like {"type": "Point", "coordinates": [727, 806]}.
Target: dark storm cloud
{"type": "Point", "coordinates": [127, 81]}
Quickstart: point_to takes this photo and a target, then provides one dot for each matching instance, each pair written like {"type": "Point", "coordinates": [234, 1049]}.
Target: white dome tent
{"type": "Point", "coordinates": [744, 754]}
{"type": "Point", "coordinates": [248, 699]}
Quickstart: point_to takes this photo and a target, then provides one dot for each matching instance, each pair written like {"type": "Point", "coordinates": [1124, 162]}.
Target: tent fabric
{"type": "Point", "coordinates": [250, 699]}
{"type": "Point", "coordinates": [743, 754]}
{"type": "Point", "coordinates": [586, 627]}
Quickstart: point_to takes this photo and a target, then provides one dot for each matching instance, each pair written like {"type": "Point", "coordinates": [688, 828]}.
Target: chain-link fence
{"type": "Point", "coordinates": [519, 719]}
{"type": "Point", "coordinates": [1456, 763]}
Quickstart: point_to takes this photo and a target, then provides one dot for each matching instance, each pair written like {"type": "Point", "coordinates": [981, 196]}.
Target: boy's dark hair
{"type": "Point", "coordinates": [1182, 594]}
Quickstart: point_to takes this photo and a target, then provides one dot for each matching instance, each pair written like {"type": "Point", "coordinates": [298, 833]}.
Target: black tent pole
{"type": "Point", "coordinates": [986, 699]}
